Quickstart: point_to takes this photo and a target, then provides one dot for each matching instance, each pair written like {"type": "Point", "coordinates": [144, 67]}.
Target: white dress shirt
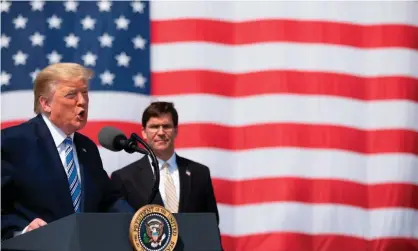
{"type": "Point", "coordinates": [59, 136]}
{"type": "Point", "coordinates": [174, 172]}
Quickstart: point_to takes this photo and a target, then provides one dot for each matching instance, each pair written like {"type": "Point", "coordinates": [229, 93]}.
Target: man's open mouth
{"type": "Point", "coordinates": [81, 115]}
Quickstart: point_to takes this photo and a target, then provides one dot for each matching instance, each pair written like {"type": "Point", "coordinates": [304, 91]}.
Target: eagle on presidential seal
{"type": "Point", "coordinates": [154, 235]}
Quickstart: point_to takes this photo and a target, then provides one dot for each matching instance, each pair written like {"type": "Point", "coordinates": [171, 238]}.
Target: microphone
{"type": "Point", "coordinates": [114, 140]}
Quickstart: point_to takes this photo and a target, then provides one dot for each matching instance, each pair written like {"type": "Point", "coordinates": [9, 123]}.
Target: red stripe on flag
{"type": "Point", "coordinates": [285, 135]}
{"type": "Point", "coordinates": [321, 242]}
{"type": "Point", "coordinates": [317, 191]}
{"type": "Point", "coordinates": [277, 82]}
{"type": "Point", "coordinates": [10, 123]}
{"type": "Point", "coordinates": [237, 33]}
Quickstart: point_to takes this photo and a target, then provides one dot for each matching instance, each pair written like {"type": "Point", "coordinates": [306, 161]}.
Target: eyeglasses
{"type": "Point", "coordinates": [156, 128]}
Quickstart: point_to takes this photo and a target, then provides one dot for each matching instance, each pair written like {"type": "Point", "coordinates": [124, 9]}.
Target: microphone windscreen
{"type": "Point", "coordinates": [110, 137]}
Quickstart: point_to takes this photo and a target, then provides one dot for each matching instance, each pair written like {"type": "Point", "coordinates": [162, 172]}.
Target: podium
{"type": "Point", "coordinates": [110, 232]}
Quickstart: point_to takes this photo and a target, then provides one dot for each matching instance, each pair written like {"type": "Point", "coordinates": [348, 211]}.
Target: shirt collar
{"type": "Point", "coordinates": [57, 134]}
{"type": "Point", "coordinates": [171, 161]}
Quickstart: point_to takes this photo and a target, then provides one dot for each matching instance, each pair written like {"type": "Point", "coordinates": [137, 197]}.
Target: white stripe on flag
{"type": "Point", "coordinates": [318, 219]}
{"type": "Point", "coordinates": [296, 108]}
{"type": "Point", "coordinates": [284, 56]}
{"type": "Point", "coordinates": [383, 12]}
{"type": "Point", "coordinates": [244, 111]}
{"type": "Point", "coordinates": [306, 163]}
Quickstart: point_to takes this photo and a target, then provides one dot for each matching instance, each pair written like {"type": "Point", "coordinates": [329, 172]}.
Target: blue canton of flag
{"type": "Point", "coordinates": [112, 38]}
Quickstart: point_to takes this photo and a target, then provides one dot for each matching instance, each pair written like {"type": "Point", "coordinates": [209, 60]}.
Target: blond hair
{"type": "Point", "coordinates": [47, 79]}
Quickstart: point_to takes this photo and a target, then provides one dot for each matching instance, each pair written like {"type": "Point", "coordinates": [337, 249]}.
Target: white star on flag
{"type": "Point", "coordinates": [54, 57]}
{"type": "Point", "coordinates": [37, 5]}
{"type": "Point", "coordinates": [20, 22]}
{"type": "Point", "coordinates": [5, 78]}
{"type": "Point", "coordinates": [89, 59]}
{"type": "Point", "coordinates": [37, 39]}
{"type": "Point", "coordinates": [139, 42]}
{"type": "Point", "coordinates": [107, 78]}
{"type": "Point", "coordinates": [122, 23]}
{"type": "Point", "coordinates": [34, 74]}
{"type": "Point", "coordinates": [123, 59]}
{"type": "Point", "coordinates": [71, 41]}
{"type": "Point", "coordinates": [137, 6]}
{"type": "Point", "coordinates": [20, 58]}
{"type": "Point", "coordinates": [54, 22]}
{"type": "Point", "coordinates": [71, 6]}
{"type": "Point", "coordinates": [4, 41]}
{"type": "Point", "coordinates": [104, 5]}
{"type": "Point", "coordinates": [88, 23]}
{"type": "Point", "coordinates": [139, 80]}
{"type": "Point", "coordinates": [106, 40]}
{"type": "Point", "coordinates": [5, 6]}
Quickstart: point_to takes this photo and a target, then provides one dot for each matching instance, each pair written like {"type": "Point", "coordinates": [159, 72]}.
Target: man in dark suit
{"type": "Point", "coordinates": [185, 185]}
{"type": "Point", "coordinates": [48, 170]}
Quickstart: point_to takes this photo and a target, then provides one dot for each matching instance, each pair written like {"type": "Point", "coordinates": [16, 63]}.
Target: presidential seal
{"type": "Point", "coordinates": [153, 228]}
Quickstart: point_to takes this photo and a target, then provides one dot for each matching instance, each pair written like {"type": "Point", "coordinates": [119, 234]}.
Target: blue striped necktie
{"type": "Point", "coordinates": [75, 186]}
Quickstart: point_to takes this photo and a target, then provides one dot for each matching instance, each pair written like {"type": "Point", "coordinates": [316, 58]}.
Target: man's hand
{"type": "Point", "coordinates": [36, 223]}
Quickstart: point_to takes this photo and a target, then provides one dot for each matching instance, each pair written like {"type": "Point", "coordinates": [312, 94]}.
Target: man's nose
{"type": "Point", "coordinates": [82, 99]}
{"type": "Point", "coordinates": [160, 130]}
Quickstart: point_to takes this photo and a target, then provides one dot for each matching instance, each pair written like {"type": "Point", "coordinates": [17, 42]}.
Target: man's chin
{"type": "Point", "coordinates": [161, 144]}
{"type": "Point", "coordinates": [79, 125]}
{"type": "Point", "coordinates": [160, 148]}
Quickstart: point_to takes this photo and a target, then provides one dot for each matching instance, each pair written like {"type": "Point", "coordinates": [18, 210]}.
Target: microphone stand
{"type": "Point", "coordinates": [154, 163]}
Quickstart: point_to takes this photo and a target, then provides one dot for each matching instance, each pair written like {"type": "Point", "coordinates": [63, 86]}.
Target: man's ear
{"type": "Point", "coordinates": [46, 106]}
{"type": "Point", "coordinates": [175, 131]}
{"type": "Point", "coordinates": [144, 135]}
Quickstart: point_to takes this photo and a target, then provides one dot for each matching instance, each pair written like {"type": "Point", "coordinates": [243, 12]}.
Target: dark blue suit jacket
{"type": "Point", "coordinates": [34, 183]}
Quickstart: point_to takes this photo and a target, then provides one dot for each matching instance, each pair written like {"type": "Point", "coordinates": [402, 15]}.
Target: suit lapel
{"type": "Point", "coordinates": [184, 176]}
{"type": "Point", "coordinates": [54, 166]}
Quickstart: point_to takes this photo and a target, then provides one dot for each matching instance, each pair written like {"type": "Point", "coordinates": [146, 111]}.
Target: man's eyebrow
{"type": "Point", "coordinates": [77, 89]}
{"type": "Point", "coordinates": [162, 124]}
{"type": "Point", "coordinates": [70, 92]}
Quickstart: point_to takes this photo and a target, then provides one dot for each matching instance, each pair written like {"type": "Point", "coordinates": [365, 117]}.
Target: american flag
{"type": "Point", "coordinates": [305, 112]}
